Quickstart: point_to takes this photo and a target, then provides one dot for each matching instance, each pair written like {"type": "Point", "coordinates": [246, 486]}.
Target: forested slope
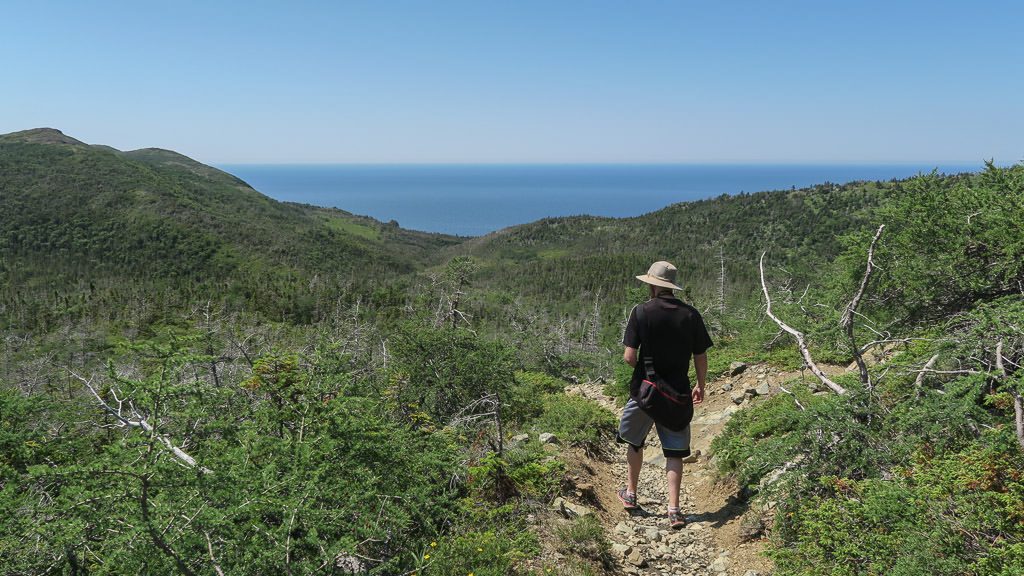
{"type": "Point", "coordinates": [197, 379]}
{"type": "Point", "coordinates": [801, 228]}
{"type": "Point", "coordinates": [78, 216]}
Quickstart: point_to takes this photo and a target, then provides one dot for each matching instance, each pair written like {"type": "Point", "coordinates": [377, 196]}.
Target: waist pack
{"type": "Point", "coordinates": [655, 396]}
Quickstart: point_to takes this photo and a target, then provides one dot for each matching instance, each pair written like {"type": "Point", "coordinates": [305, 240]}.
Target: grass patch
{"type": "Point", "coordinates": [353, 228]}
{"type": "Point", "coordinates": [552, 253]}
{"type": "Point", "coordinates": [585, 537]}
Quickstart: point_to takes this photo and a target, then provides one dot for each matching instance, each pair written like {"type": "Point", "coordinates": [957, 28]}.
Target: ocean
{"type": "Point", "coordinates": [472, 200]}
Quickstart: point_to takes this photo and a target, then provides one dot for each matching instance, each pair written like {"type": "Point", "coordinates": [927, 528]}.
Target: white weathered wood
{"type": "Point", "coordinates": [135, 420]}
{"type": "Point", "coordinates": [1018, 401]}
{"type": "Point", "coordinates": [851, 309]}
{"type": "Point", "coordinates": [926, 369]}
{"type": "Point", "coordinates": [804, 352]}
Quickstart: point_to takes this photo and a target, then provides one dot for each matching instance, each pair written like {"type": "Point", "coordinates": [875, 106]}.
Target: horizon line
{"type": "Point", "coordinates": [936, 163]}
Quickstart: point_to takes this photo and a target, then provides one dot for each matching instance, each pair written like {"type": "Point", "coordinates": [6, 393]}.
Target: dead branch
{"type": "Point", "coordinates": [1018, 401]}
{"type": "Point", "coordinates": [795, 399]}
{"type": "Point", "coordinates": [847, 320]}
{"type": "Point", "coordinates": [209, 548]}
{"type": "Point", "coordinates": [1000, 368]}
{"type": "Point", "coordinates": [874, 343]}
{"type": "Point", "coordinates": [930, 371]}
{"type": "Point", "coordinates": [799, 338]}
{"type": "Point", "coordinates": [135, 420]}
{"type": "Point", "coordinates": [927, 367]}
{"type": "Point", "coordinates": [156, 536]}
{"type": "Point", "coordinates": [491, 402]}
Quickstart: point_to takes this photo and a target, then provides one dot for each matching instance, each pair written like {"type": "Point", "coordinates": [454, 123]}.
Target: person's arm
{"type": "Point", "coordinates": [700, 363]}
{"type": "Point", "coordinates": [629, 356]}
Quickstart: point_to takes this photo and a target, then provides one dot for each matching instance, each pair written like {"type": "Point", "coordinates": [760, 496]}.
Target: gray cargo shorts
{"type": "Point", "coordinates": [635, 425]}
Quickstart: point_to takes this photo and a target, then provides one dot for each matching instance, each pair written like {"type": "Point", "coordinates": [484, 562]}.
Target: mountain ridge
{"type": "Point", "coordinates": [75, 212]}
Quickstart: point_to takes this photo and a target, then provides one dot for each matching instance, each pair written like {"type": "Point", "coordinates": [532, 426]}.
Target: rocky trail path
{"type": "Point", "coordinates": [717, 540]}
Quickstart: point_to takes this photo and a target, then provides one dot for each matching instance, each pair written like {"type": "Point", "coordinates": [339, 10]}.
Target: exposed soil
{"type": "Point", "coordinates": [715, 540]}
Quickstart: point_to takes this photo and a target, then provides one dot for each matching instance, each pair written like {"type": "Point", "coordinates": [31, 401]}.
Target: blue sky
{"type": "Point", "coordinates": [523, 81]}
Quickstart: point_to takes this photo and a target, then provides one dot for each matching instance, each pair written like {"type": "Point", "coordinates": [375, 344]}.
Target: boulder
{"type": "Point", "coordinates": [547, 438]}
{"type": "Point", "coordinates": [737, 368]}
{"type": "Point", "coordinates": [569, 509]}
{"type": "Point", "coordinates": [738, 396]}
{"type": "Point", "coordinates": [636, 559]}
{"type": "Point", "coordinates": [720, 565]}
{"type": "Point", "coordinates": [763, 389]}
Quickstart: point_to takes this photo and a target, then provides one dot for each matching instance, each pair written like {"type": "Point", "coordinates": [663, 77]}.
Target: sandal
{"type": "Point", "coordinates": [676, 520]}
{"type": "Point", "coordinates": [628, 500]}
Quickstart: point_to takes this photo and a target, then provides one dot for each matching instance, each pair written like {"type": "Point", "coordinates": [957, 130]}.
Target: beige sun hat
{"type": "Point", "coordinates": [662, 274]}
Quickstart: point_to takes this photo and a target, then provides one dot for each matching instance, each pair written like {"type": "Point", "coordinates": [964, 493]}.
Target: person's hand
{"type": "Point", "coordinates": [697, 394]}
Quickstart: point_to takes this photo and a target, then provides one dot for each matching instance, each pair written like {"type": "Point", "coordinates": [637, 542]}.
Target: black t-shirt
{"type": "Point", "coordinates": [676, 331]}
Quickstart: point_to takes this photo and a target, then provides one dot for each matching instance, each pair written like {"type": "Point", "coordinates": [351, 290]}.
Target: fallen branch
{"type": "Point", "coordinates": [1018, 401]}
{"type": "Point", "coordinates": [213, 559]}
{"type": "Point", "coordinates": [927, 366]}
{"type": "Point", "coordinates": [874, 343]}
{"type": "Point", "coordinates": [847, 320]}
{"type": "Point", "coordinates": [135, 420]}
{"type": "Point", "coordinates": [930, 371]}
{"type": "Point", "coordinates": [799, 338]}
{"type": "Point", "coordinates": [795, 399]}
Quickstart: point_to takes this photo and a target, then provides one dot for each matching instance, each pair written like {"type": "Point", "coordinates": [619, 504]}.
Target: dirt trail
{"type": "Point", "coordinates": [712, 543]}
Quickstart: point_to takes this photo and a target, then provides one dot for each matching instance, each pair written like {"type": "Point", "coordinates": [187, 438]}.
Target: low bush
{"type": "Point", "coordinates": [576, 421]}
{"type": "Point", "coordinates": [962, 513]}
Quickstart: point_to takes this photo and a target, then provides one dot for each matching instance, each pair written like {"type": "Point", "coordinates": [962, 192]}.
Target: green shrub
{"type": "Point", "coordinates": [576, 421]}
{"type": "Point", "coordinates": [441, 372]}
{"type": "Point", "coordinates": [525, 471]}
{"type": "Point", "coordinates": [525, 400]}
{"type": "Point", "coordinates": [959, 514]}
{"type": "Point", "coordinates": [618, 386]}
{"type": "Point", "coordinates": [493, 552]}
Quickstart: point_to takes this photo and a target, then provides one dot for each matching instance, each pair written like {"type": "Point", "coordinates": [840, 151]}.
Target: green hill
{"type": "Point", "coordinates": [597, 254]}
{"type": "Point", "coordinates": [77, 215]}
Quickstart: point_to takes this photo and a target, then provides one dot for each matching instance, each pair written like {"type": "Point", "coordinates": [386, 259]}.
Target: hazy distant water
{"type": "Point", "coordinates": [472, 200]}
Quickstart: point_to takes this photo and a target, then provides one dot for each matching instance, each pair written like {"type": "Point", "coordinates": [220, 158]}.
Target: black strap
{"type": "Point", "coordinates": [645, 348]}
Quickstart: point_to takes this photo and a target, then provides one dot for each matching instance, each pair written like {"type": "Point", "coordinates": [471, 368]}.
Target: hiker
{"type": "Point", "coordinates": [672, 331]}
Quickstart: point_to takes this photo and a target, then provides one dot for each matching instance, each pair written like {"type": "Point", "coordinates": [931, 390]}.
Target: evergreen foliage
{"type": "Point", "coordinates": [304, 389]}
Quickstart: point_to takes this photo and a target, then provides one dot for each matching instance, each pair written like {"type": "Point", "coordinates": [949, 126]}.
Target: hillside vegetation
{"type": "Point", "coordinates": [78, 215]}
{"type": "Point", "coordinates": [198, 379]}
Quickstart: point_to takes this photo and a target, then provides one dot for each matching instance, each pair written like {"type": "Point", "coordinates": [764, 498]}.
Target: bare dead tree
{"type": "Point", "coordinates": [721, 283]}
{"type": "Point", "coordinates": [491, 405]}
{"type": "Point", "coordinates": [128, 416]}
{"type": "Point", "coordinates": [851, 309]}
{"type": "Point", "coordinates": [801, 344]}
{"type": "Point", "coordinates": [594, 329]}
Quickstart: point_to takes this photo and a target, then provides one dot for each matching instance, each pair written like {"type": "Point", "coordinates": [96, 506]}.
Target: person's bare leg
{"type": "Point", "coordinates": [674, 471]}
{"type": "Point", "coordinates": [634, 459]}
